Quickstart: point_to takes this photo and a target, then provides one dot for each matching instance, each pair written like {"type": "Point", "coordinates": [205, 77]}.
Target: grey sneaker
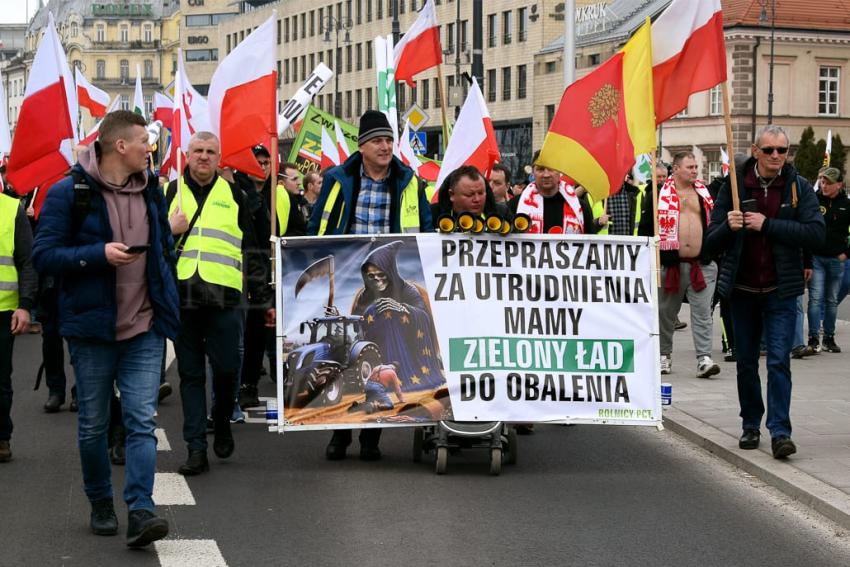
{"type": "Point", "coordinates": [706, 368]}
{"type": "Point", "coordinates": [666, 364]}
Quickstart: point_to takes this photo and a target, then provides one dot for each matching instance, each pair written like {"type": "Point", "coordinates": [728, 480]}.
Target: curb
{"type": "Point", "coordinates": [814, 493]}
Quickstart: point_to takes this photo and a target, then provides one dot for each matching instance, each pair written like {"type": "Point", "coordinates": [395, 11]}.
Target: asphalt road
{"type": "Point", "coordinates": [585, 495]}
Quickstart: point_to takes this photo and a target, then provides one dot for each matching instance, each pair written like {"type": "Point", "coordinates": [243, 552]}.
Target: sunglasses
{"type": "Point", "coordinates": [770, 149]}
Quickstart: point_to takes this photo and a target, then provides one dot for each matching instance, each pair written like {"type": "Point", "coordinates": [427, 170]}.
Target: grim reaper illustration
{"type": "Point", "coordinates": [397, 316]}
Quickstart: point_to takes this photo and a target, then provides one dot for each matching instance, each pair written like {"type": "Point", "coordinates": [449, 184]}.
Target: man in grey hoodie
{"type": "Point", "coordinates": [104, 231]}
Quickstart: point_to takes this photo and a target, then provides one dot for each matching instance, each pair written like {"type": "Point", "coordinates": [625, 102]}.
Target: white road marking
{"type": "Point", "coordinates": [162, 443]}
{"type": "Point", "coordinates": [189, 553]}
{"type": "Point", "coordinates": [171, 489]}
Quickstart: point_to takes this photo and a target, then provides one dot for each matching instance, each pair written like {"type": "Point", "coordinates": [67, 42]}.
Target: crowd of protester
{"type": "Point", "coordinates": [120, 262]}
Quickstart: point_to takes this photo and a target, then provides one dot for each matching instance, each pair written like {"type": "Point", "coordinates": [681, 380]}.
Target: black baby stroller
{"type": "Point", "coordinates": [451, 436]}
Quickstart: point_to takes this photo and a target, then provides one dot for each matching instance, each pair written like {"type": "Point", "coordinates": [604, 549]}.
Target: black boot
{"type": "Point", "coordinates": [103, 518]}
{"type": "Point", "coordinates": [223, 444]}
{"type": "Point", "coordinates": [54, 403]}
{"type": "Point", "coordinates": [145, 527]}
{"type": "Point", "coordinates": [196, 463]}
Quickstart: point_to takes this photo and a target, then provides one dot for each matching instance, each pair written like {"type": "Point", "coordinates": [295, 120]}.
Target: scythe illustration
{"type": "Point", "coordinates": [319, 268]}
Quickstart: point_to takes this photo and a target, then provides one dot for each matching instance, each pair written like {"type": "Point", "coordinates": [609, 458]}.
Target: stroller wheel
{"type": "Point", "coordinates": [495, 461]}
{"type": "Point", "coordinates": [418, 441]}
{"type": "Point", "coordinates": [442, 459]}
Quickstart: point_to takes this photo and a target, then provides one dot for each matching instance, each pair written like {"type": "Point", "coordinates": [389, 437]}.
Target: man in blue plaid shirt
{"type": "Point", "coordinates": [373, 192]}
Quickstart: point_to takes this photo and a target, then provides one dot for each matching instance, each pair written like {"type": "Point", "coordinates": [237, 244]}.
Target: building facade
{"type": "Point", "coordinates": [810, 75]}
{"type": "Point", "coordinates": [200, 21]}
{"type": "Point", "coordinates": [110, 41]}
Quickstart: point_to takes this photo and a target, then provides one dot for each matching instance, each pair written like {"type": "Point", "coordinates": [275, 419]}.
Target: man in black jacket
{"type": "Point", "coordinates": [762, 272]}
{"type": "Point", "coordinates": [829, 259]}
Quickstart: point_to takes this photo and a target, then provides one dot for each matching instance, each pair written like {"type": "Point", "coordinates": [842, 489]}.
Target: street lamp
{"type": "Point", "coordinates": [337, 25]}
{"type": "Point", "coordinates": [763, 20]}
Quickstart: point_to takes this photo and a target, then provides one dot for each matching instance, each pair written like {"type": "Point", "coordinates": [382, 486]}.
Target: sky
{"type": "Point", "coordinates": [14, 11]}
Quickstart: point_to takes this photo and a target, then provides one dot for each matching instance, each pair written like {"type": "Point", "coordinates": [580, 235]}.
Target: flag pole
{"type": "Point", "coordinates": [443, 108]}
{"type": "Point", "coordinates": [273, 204]}
{"type": "Point", "coordinates": [730, 149]}
{"type": "Point", "coordinates": [179, 166]}
{"type": "Point", "coordinates": [654, 209]}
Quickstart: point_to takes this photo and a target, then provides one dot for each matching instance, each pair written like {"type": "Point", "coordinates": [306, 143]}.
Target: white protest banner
{"type": "Point", "coordinates": [542, 328]}
{"type": "Point", "coordinates": [297, 105]}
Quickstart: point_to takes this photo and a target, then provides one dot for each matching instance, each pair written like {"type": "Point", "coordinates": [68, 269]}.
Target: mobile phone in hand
{"type": "Point", "coordinates": [137, 248]}
{"type": "Point", "coordinates": [749, 206]}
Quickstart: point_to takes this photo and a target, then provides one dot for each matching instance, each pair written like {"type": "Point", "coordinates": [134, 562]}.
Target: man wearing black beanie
{"type": "Point", "coordinates": [381, 196]}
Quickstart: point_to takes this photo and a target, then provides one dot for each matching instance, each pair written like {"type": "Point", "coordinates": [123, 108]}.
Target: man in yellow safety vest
{"type": "Point", "coordinates": [216, 253]}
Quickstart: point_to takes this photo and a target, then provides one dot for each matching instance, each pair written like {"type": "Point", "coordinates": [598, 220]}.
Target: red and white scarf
{"type": "Point", "coordinates": [668, 212]}
{"type": "Point", "coordinates": [531, 204]}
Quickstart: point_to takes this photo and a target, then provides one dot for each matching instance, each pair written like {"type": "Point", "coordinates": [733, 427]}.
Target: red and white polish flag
{"type": "Point", "coordinates": [473, 140]}
{"type": "Point", "coordinates": [92, 135]}
{"type": "Point", "coordinates": [243, 99]}
{"type": "Point", "coordinates": [419, 49]}
{"type": "Point", "coordinates": [688, 54]}
{"type": "Point", "coordinates": [89, 96]}
{"type": "Point", "coordinates": [46, 131]}
{"type": "Point", "coordinates": [330, 151]}
{"type": "Point", "coordinates": [163, 108]}
{"type": "Point", "coordinates": [341, 143]}
{"type": "Point", "coordinates": [408, 156]}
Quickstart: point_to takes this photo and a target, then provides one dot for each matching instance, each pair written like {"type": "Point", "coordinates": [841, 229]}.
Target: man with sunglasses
{"type": "Point", "coordinates": [762, 274]}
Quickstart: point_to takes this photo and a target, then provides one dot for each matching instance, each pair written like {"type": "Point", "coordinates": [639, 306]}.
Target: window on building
{"type": "Point", "coordinates": [312, 61]}
{"type": "Point", "coordinates": [339, 60]}
{"type": "Point", "coordinates": [124, 70]}
{"type": "Point", "coordinates": [286, 77]}
{"type": "Point", "coordinates": [348, 99]}
{"type": "Point", "coordinates": [100, 69]}
{"type": "Point", "coordinates": [683, 114]}
{"type": "Point", "coordinates": [369, 53]}
{"type": "Point", "coordinates": [506, 83]}
{"type": "Point", "coordinates": [369, 98]}
{"type": "Point", "coordinates": [294, 27]}
{"type": "Point", "coordinates": [593, 59]}
{"type": "Point", "coordinates": [312, 23]}
{"type": "Point", "coordinates": [368, 10]}
{"type": "Point", "coordinates": [491, 85]}
{"type": "Point", "coordinates": [201, 55]}
{"type": "Point", "coordinates": [401, 7]}
{"type": "Point", "coordinates": [402, 96]}
{"type": "Point", "coordinates": [286, 30]}
{"type": "Point", "coordinates": [550, 114]}
{"type": "Point", "coordinates": [426, 95]}
{"type": "Point", "coordinates": [715, 169]}
{"type": "Point", "coordinates": [828, 91]}
{"type": "Point", "coordinates": [294, 69]}
{"type": "Point", "coordinates": [124, 33]}
{"type": "Point", "coordinates": [348, 59]}
{"type": "Point", "coordinates": [507, 26]}
{"type": "Point", "coordinates": [492, 30]}
{"type": "Point", "coordinates": [450, 38]}
{"type": "Point", "coordinates": [521, 78]}
{"type": "Point", "coordinates": [438, 102]}
{"type": "Point", "coordinates": [100, 33]}
{"type": "Point", "coordinates": [303, 25]}
{"type": "Point", "coordinates": [359, 102]}
{"type": "Point", "coordinates": [379, 9]}
{"type": "Point", "coordinates": [75, 29]}
{"type": "Point", "coordinates": [147, 33]}
{"type": "Point", "coordinates": [148, 69]}
{"type": "Point", "coordinates": [522, 21]}
{"type": "Point", "coordinates": [715, 104]}
{"type": "Point", "coordinates": [358, 55]}
{"type": "Point", "coordinates": [229, 43]}
{"type": "Point", "coordinates": [216, 19]}
{"type": "Point", "coordinates": [279, 75]}
{"type": "Point", "coordinates": [463, 36]}
{"type": "Point", "coordinates": [125, 102]}
{"type": "Point", "coordinates": [358, 12]}
{"type": "Point", "coordinates": [330, 58]}
{"type": "Point", "coordinates": [148, 104]}
{"type": "Point", "coordinates": [550, 67]}
{"type": "Point", "coordinates": [303, 68]}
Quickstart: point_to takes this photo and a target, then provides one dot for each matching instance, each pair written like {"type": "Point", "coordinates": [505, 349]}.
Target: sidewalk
{"type": "Point", "coordinates": [705, 411]}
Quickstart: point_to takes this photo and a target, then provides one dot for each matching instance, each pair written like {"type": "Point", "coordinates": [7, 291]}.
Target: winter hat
{"type": "Point", "coordinates": [372, 125]}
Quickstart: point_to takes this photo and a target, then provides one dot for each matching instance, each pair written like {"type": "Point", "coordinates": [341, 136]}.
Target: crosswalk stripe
{"type": "Point", "coordinates": [171, 489]}
{"type": "Point", "coordinates": [189, 553]}
{"type": "Point", "coordinates": [162, 443]}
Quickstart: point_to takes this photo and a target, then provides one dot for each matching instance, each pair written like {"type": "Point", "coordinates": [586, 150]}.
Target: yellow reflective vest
{"type": "Point", "coordinates": [8, 272]}
{"type": "Point", "coordinates": [213, 248]}
{"type": "Point", "coordinates": [409, 207]}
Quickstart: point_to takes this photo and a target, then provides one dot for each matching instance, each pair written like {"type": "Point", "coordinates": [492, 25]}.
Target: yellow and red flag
{"type": "Point", "coordinates": [605, 120]}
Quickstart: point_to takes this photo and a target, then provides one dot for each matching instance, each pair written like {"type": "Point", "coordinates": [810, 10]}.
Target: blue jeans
{"type": "Point", "coordinates": [824, 284]}
{"type": "Point", "coordinates": [752, 313]}
{"type": "Point", "coordinates": [845, 285]}
{"type": "Point", "coordinates": [134, 364]}
{"type": "Point", "coordinates": [799, 335]}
